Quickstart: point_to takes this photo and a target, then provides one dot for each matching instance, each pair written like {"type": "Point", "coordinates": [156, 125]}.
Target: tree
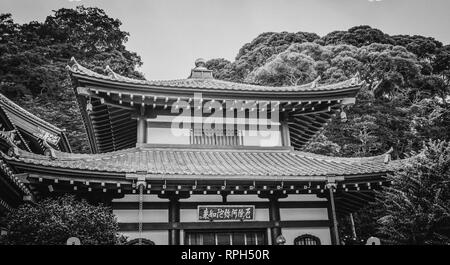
{"type": "Point", "coordinates": [221, 68]}
{"type": "Point", "coordinates": [323, 146]}
{"type": "Point", "coordinates": [422, 47]}
{"type": "Point", "coordinates": [33, 57]}
{"type": "Point", "coordinates": [385, 68]}
{"type": "Point", "coordinates": [356, 36]}
{"type": "Point", "coordinates": [404, 101]}
{"type": "Point", "coordinates": [287, 68]}
{"type": "Point", "coordinates": [441, 69]}
{"type": "Point", "coordinates": [416, 208]}
{"type": "Point", "coordinates": [381, 118]}
{"type": "Point", "coordinates": [303, 62]}
{"type": "Point", "coordinates": [256, 53]}
{"type": "Point", "coordinates": [53, 221]}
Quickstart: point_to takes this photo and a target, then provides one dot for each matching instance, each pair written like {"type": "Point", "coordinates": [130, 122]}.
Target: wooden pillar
{"type": "Point", "coordinates": [284, 130]}
{"type": "Point", "coordinates": [141, 130]}
{"type": "Point", "coordinates": [224, 197]}
{"type": "Point", "coordinates": [332, 216]}
{"type": "Point", "coordinates": [174, 218]}
{"type": "Point", "coordinates": [285, 136]}
{"type": "Point", "coordinates": [274, 216]}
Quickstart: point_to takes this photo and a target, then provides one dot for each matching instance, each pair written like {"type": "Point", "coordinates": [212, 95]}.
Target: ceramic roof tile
{"type": "Point", "coordinates": [207, 162]}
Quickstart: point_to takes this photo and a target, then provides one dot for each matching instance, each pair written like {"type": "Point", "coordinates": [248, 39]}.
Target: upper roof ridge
{"type": "Point", "coordinates": [383, 158]}
{"type": "Point", "coordinates": [201, 77]}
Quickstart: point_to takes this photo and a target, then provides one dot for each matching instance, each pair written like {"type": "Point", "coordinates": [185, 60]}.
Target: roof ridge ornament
{"type": "Point", "coordinates": [314, 83]}
{"type": "Point", "coordinates": [356, 79]}
{"type": "Point", "coordinates": [387, 155]}
{"type": "Point", "coordinates": [9, 137]}
{"type": "Point", "coordinates": [201, 71]}
{"type": "Point", "coordinates": [110, 72]}
{"type": "Point", "coordinates": [49, 151]}
{"type": "Point", "coordinates": [74, 66]}
{"type": "Point", "coordinates": [200, 62]}
{"type": "Point", "coordinates": [119, 77]}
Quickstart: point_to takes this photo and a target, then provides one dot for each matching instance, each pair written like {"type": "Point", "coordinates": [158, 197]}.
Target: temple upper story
{"type": "Point", "coordinates": [121, 112]}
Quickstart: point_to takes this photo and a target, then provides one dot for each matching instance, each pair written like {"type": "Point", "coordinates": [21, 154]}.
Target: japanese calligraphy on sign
{"type": "Point", "coordinates": [226, 212]}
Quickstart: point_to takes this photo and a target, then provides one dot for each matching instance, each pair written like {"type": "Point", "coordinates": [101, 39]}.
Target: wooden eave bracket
{"type": "Point", "coordinates": [23, 177]}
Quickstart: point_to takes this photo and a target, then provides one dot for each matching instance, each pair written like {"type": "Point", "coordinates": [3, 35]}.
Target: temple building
{"type": "Point", "coordinates": [23, 130]}
{"type": "Point", "coordinates": [198, 161]}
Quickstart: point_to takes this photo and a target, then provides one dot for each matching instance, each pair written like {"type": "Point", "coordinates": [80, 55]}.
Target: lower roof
{"type": "Point", "coordinates": [195, 162]}
{"type": "Point", "coordinates": [31, 127]}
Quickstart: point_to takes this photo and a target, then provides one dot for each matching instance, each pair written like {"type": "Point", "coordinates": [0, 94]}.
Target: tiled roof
{"type": "Point", "coordinates": [8, 173]}
{"type": "Point", "coordinates": [19, 114]}
{"type": "Point", "coordinates": [210, 83]}
{"type": "Point", "coordinates": [13, 117]}
{"type": "Point", "coordinates": [257, 163]}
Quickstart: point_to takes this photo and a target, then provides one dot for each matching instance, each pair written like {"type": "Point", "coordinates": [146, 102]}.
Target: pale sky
{"type": "Point", "coordinates": [170, 34]}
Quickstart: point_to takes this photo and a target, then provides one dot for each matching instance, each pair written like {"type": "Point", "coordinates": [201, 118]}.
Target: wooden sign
{"type": "Point", "coordinates": [226, 212]}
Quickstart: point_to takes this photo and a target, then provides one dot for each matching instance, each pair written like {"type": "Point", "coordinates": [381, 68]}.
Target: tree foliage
{"type": "Point", "coordinates": [357, 36]}
{"type": "Point", "coordinates": [256, 53]}
{"type": "Point", "coordinates": [416, 208]}
{"type": "Point", "coordinates": [53, 221]}
{"type": "Point", "coordinates": [33, 57]}
{"type": "Point", "coordinates": [404, 101]}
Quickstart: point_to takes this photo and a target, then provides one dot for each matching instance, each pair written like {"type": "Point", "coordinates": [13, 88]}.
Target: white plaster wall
{"type": "Point", "coordinates": [245, 198]}
{"type": "Point", "coordinates": [303, 214]}
{"type": "Point", "coordinates": [159, 237]}
{"type": "Point", "coordinates": [261, 138]}
{"type": "Point", "coordinates": [188, 215]}
{"type": "Point", "coordinates": [271, 137]}
{"type": "Point", "coordinates": [203, 198]}
{"type": "Point", "coordinates": [323, 233]}
{"type": "Point", "coordinates": [168, 136]}
{"type": "Point", "coordinates": [149, 216]}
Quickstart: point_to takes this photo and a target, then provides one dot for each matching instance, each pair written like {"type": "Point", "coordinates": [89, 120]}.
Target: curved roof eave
{"type": "Point", "coordinates": [292, 165]}
{"type": "Point", "coordinates": [209, 85]}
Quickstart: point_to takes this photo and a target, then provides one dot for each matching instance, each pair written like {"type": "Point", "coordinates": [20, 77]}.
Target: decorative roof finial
{"type": "Point", "coordinates": [355, 79]}
{"type": "Point", "coordinates": [200, 62]}
{"type": "Point", "coordinates": [9, 137]}
{"type": "Point", "coordinates": [49, 151]}
{"type": "Point", "coordinates": [200, 71]}
{"type": "Point", "coordinates": [315, 82]}
{"type": "Point", "coordinates": [73, 65]}
{"type": "Point", "coordinates": [110, 72]}
{"type": "Point", "coordinates": [387, 155]}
